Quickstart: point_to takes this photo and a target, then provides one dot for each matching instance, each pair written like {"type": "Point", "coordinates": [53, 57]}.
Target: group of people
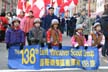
{"type": "Point", "coordinates": [48, 31]}
{"type": "Point", "coordinates": [95, 38]}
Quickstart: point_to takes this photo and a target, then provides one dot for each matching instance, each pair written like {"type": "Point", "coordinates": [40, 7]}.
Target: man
{"type": "Point", "coordinates": [3, 26]}
{"type": "Point", "coordinates": [104, 24]}
{"type": "Point", "coordinates": [28, 24]}
{"type": "Point", "coordinates": [48, 18]}
{"type": "Point", "coordinates": [85, 21]}
{"type": "Point", "coordinates": [72, 25]}
{"type": "Point", "coordinates": [61, 24]}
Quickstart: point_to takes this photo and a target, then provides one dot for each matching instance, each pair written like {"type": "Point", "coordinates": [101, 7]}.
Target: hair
{"type": "Point", "coordinates": [106, 9]}
{"type": "Point", "coordinates": [52, 27]}
{"type": "Point", "coordinates": [9, 13]}
{"type": "Point", "coordinates": [23, 12]}
{"type": "Point", "coordinates": [31, 11]}
{"type": "Point", "coordinates": [15, 21]}
{"type": "Point", "coordinates": [3, 14]}
{"type": "Point", "coordinates": [51, 8]}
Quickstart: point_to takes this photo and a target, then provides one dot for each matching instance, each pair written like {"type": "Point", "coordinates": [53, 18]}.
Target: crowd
{"type": "Point", "coordinates": [48, 30]}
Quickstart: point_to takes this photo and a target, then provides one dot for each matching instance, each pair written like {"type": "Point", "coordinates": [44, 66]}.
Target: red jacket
{"type": "Point", "coordinates": [3, 23]}
{"type": "Point", "coordinates": [54, 36]}
{"type": "Point", "coordinates": [28, 24]}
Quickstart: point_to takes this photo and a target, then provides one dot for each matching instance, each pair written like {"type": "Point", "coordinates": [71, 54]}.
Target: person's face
{"type": "Point", "coordinates": [22, 13]}
{"type": "Point", "coordinates": [55, 25]}
{"type": "Point", "coordinates": [16, 23]}
{"type": "Point", "coordinates": [98, 28]}
{"type": "Point", "coordinates": [83, 13]}
{"type": "Point", "coordinates": [37, 24]}
{"type": "Point", "coordinates": [30, 14]}
{"type": "Point", "coordinates": [80, 30]}
{"type": "Point", "coordinates": [51, 11]}
{"type": "Point", "coordinates": [8, 14]}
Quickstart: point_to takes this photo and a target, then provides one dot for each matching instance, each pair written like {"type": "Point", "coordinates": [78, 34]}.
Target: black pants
{"type": "Point", "coordinates": [105, 48]}
{"type": "Point", "coordinates": [86, 36]}
{"type": "Point", "coordinates": [29, 42]}
{"type": "Point", "coordinates": [2, 35]}
{"type": "Point", "coordinates": [71, 32]}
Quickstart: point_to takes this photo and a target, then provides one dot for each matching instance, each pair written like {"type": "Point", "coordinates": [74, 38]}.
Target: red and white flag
{"type": "Point", "coordinates": [37, 6]}
{"type": "Point", "coordinates": [21, 6]}
{"type": "Point", "coordinates": [67, 4]}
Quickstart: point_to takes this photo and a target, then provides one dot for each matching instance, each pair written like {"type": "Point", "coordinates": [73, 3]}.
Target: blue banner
{"type": "Point", "coordinates": [35, 57]}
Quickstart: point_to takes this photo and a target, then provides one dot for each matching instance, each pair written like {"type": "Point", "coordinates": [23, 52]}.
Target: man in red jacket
{"type": "Point", "coordinates": [3, 26]}
{"type": "Point", "coordinates": [28, 25]}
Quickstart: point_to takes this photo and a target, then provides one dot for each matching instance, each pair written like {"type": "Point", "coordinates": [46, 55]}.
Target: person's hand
{"type": "Point", "coordinates": [7, 46]}
{"type": "Point", "coordinates": [42, 44]}
{"type": "Point", "coordinates": [49, 45]}
{"type": "Point", "coordinates": [21, 46]}
{"type": "Point", "coordinates": [86, 47]}
{"type": "Point", "coordinates": [99, 46]}
{"type": "Point", "coordinates": [37, 41]}
{"type": "Point", "coordinates": [76, 46]}
{"type": "Point", "coordinates": [60, 46]}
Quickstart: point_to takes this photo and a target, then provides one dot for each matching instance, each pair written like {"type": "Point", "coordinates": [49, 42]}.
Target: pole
{"type": "Point", "coordinates": [51, 3]}
{"type": "Point", "coordinates": [5, 5]}
{"type": "Point", "coordinates": [89, 11]}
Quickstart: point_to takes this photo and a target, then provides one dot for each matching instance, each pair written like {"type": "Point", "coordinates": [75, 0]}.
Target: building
{"type": "Point", "coordinates": [8, 5]}
{"type": "Point", "coordinates": [86, 5]}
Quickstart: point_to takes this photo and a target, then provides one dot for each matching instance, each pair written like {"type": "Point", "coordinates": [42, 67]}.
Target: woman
{"type": "Point", "coordinates": [54, 36]}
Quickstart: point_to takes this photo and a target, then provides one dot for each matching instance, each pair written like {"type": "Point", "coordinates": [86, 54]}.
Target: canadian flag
{"type": "Point", "coordinates": [47, 2]}
{"type": "Point", "coordinates": [21, 6]}
{"type": "Point", "coordinates": [68, 4]}
{"type": "Point", "coordinates": [37, 6]}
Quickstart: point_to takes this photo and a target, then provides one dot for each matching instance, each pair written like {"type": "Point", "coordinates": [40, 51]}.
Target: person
{"type": "Point", "coordinates": [14, 35]}
{"type": "Point", "coordinates": [96, 38]}
{"type": "Point", "coordinates": [48, 18]}
{"type": "Point", "coordinates": [28, 24]}
{"type": "Point", "coordinates": [78, 39]}
{"type": "Point", "coordinates": [61, 24]}
{"type": "Point", "coordinates": [85, 21]}
{"type": "Point", "coordinates": [21, 17]}
{"type": "Point", "coordinates": [104, 25]}
{"type": "Point", "coordinates": [3, 26]}
{"type": "Point", "coordinates": [67, 23]}
{"type": "Point", "coordinates": [54, 35]}
{"type": "Point", "coordinates": [37, 33]}
{"type": "Point", "coordinates": [72, 25]}
{"type": "Point", "coordinates": [9, 17]}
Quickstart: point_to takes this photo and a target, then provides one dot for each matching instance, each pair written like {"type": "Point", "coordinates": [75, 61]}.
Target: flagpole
{"type": "Point", "coordinates": [5, 5]}
{"type": "Point", "coordinates": [51, 3]}
{"type": "Point", "coordinates": [89, 13]}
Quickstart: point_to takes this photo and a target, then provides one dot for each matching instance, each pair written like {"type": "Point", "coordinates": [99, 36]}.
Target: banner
{"type": "Point", "coordinates": [35, 57]}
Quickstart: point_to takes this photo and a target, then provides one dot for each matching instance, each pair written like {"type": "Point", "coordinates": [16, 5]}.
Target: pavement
{"type": "Point", "coordinates": [66, 41]}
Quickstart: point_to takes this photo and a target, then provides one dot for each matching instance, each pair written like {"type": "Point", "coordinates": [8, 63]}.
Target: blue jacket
{"type": "Point", "coordinates": [47, 21]}
{"type": "Point", "coordinates": [14, 36]}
